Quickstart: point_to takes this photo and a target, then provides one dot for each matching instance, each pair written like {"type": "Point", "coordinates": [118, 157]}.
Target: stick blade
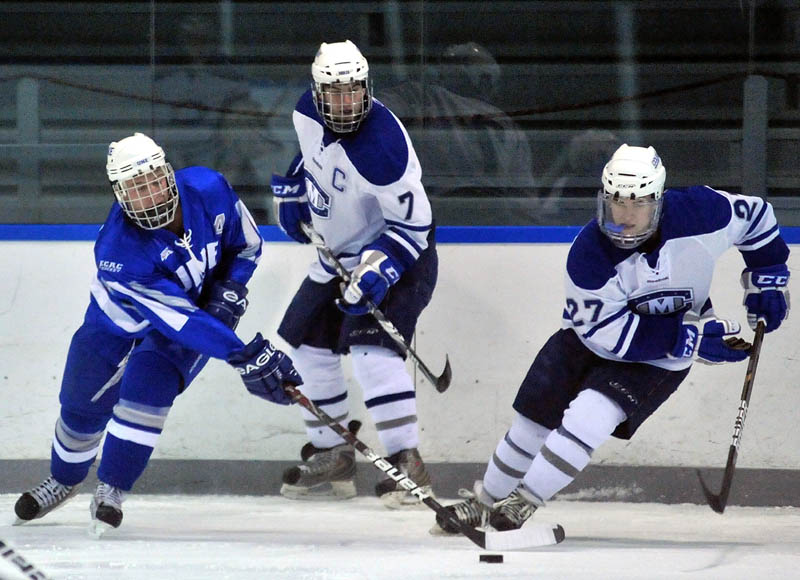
{"type": "Point", "coordinates": [443, 381]}
{"type": "Point", "coordinates": [714, 501]}
{"type": "Point", "coordinates": [528, 536]}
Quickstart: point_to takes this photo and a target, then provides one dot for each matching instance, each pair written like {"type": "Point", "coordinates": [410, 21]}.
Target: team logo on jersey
{"type": "Point", "coordinates": [318, 201]}
{"type": "Point", "coordinates": [165, 253]}
{"type": "Point", "coordinates": [219, 223]}
{"type": "Point", "coordinates": [663, 301]}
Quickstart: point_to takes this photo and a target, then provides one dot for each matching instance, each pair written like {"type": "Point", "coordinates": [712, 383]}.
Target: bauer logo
{"type": "Point", "coordinates": [663, 302]}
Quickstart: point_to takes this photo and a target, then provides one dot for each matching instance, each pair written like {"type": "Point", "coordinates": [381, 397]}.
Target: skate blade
{"type": "Point", "coordinates": [19, 522]}
{"type": "Point", "coordinates": [402, 500]}
{"type": "Point", "coordinates": [437, 530]}
{"type": "Point", "coordinates": [98, 528]}
{"type": "Point", "coordinates": [328, 491]}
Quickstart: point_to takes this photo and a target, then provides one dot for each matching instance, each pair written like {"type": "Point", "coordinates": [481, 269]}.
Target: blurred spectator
{"type": "Point", "coordinates": [467, 146]}
{"type": "Point", "coordinates": [582, 159]}
{"type": "Point", "coordinates": [573, 175]}
{"type": "Point", "coordinates": [207, 115]}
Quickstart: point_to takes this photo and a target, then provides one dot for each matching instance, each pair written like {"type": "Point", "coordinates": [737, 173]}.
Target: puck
{"type": "Point", "coordinates": [491, 558]}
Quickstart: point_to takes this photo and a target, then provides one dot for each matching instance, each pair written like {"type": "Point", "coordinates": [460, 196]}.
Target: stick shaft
{"type": "Point", "coordinates": [403, 481]}
{"type": "Point", "coordinates": [720, 500]}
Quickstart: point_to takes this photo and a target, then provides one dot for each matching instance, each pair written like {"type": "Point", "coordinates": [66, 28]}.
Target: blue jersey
{"type": "Point", "coordinates": [155, 280]}
{"type": "Point", "coordinates": [625, 304]}
{"type": "Point", "coordinates": [364, 189]}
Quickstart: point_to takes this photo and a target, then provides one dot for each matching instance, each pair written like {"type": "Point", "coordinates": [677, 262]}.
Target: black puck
{"type": "Point", "coordinates": [491, 558]}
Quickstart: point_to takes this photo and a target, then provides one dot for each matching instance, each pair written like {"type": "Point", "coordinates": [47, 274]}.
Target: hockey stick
{"type": "Point", "coordinates": [720, 500]}
{"type": "Point", "coordinates": [528, 537]}
{"type": "Point", "coordinates": [442, 381]}
{"type": "Point", "coordinates": [26, 567]}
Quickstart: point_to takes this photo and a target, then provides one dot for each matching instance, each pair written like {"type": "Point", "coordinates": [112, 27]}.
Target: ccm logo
{"type": "Point", "coordinates": [770, 280]}
{"type": "Point", "coordinates": [285, 189]}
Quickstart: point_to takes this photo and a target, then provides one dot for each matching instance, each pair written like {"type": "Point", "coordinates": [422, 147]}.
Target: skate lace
{"type": "Point", "coordinates": [515, 508]}
{"type": "Point", "coordinates": [50, 492]}
{"type": "Point", "coordinates": [471, 511]}
{"type": "Point", "coordinates": [109, 495]}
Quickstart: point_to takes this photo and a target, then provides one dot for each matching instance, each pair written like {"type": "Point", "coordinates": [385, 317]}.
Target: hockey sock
{"type": "Point", "coordinates": [513, 456]}
{"type": "Point", "coordinates": [587, 423]}
{"type": "Point", "coordinates": [149, 386]}
{"type": "Point", "coordinates": [323, 383]}
{"type": "Point", "coordinates": [76, 443]}
{"type": "Point", "coordinates": [388, 395]}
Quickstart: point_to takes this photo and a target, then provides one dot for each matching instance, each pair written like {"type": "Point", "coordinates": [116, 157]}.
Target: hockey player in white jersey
{"type": "Point", "coordinates": [173, 260]}
{"type": "Point", "coordinates": [637, 315]}
{"type": "Point", "coordinates": [357, 179]}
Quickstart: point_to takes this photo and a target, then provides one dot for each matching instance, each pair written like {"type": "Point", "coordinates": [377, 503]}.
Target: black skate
{"type": "Point", "coordinates": [474, 511]}
{"type": "Point", "coordinates": [409, 462]}
{"type": "Point", "coordinates": [325, 474]}
{"type": "Point", "coordinates": [43, 499]}
{"type": "Point", "coordinates": [510, 513]}
{"type": "Point", "coordinates": [106, 509]}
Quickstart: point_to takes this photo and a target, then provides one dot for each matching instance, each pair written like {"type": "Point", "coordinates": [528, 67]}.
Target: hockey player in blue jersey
{"type": "Point", "coordinates": [357, 179]}
{"type": "Point", "coordinates": [637, 315]}
{"type": "Point", "coordinates": [173, 260]}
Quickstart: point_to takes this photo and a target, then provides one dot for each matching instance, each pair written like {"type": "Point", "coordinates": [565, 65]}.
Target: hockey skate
{"type": "Point", "coordinates": [510, 513]}
{"type": "Point", "coordinates": [474, 511]}
{"type": "Point", "coordinates": [409, 462]}
{"type": "Point", "coordinates": [480, 510]}
{"type": "Point", "coordinates": [325, 474]}
{"type": "Point", "coordinates": [106, 509]}
{"type": "Point", "coordinates": [43, 499]}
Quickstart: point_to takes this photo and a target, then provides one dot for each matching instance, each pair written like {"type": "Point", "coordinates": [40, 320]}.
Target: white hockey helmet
{"type": "Point", "coordinates": [629, 204]}
{"type": "Point", "coordinates": [341, 88]}
{"type": "Point", "coordinates": [143, 181]}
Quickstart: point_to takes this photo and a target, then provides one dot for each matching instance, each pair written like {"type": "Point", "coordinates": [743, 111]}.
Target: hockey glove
{"type": "Point", "coordinates": [264, 370]}
{"type": "Point", "coordinates": [704, 340]}
{"type": "Point", "coordinates": [369, 281]}
{"type": "Point", "coordinates": [291, 205]}
{"type": "Point", "coordinates": [227, 302]}
{"type": "Point", "coordinates": [766, 295]}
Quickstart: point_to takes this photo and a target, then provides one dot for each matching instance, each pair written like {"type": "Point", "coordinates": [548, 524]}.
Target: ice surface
{"type": "Point", "coordinates": [266, 538]}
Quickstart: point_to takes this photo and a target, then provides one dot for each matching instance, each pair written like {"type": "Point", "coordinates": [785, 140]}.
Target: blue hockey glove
{"type": "Point", "coordinates": [291, 205]}
{"type": "Point", "coordinates": [370, 280]}
{"type": "Point", "coordinates": [227, 302]}
{"type": "Point", "coordinates": [264, 370]}
{"type": "Point", "coordinates": [766, 295]}
{"type": "Point", "coordinates": [704, 340]}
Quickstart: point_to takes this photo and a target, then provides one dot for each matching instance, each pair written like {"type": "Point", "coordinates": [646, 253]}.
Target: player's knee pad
{"type": "Point", "coordinates": [592, 417]}
{"type": "Point", "coordinates": [380, 371]}
{"type": "Point", "coordinates": [151, 379]}
{"type": "Point", "coordinates": [321, 370]}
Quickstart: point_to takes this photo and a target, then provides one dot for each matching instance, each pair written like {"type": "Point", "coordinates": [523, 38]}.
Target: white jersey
{"type": "Point", "coordinates": [624, 304]}
{"type": "Point", "coordinates": [364, 189]}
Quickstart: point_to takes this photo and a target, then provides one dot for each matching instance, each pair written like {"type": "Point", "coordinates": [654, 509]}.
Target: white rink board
{"type": "Point", "coordinates": [494, 307]}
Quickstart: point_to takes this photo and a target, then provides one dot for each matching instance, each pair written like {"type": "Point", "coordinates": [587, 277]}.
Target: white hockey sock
{"type": "Point", "coordinates": [513, 456]}
{"type": "Point", "coordinates": [587, 423]}
{"type": "Point", "coordinates": [388, 395]}
{"type": "Point", "coordinates": [323, 383]}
